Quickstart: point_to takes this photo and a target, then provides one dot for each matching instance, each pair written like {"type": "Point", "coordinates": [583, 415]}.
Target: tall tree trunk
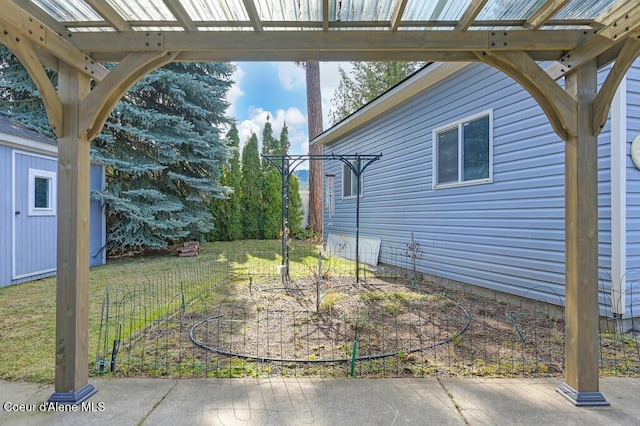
{"type": "Point", "coordinates": [314, 114]}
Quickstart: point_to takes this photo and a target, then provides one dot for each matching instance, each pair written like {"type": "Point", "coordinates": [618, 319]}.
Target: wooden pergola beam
{"type": "Point", "coordinates": [254, 17]}
{"type": "Point", "coordinates": [620, 23]}
{"type": "Point", "coordinates": [24, 51]}
{"type": "Point", "coordinates": [41, 35]}
{"type": "Point", "coordinates": [181, 15]}
{"type": "Point", "coordinates": [105, 10]}
{"type": "Point", "coordinates": [628, 54]}
{"type": "Point", "coordinates": [97, 105]}
{"type": "Point", "coordinates": [325, 15]}
{"type": "Point", "coordinates": [30, 7]}
{"type": "Point", "coordinates": [378, 44]}
{"type": "Point", "coordinates": [472, 11]}
{"type": "Point", "coordinates": [544, 13]}
{"type": "Point", "coordinates": [556, 103]}
{"type": "Point", "coordinates": [396, 15]}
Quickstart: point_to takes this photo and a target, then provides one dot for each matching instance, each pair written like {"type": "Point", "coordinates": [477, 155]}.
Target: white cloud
{"type": "Point", "coordinates": [296, 125]}
{"type": "Point", "coordinates": [292, 76]}
{"type": "Point", "coordinates": [329, 82]}
{"type": "Point", "coordinates": [235, 91]}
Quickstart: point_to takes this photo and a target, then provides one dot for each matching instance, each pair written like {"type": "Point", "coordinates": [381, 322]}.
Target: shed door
{"type": "Point", "coordinates": [34, 219]}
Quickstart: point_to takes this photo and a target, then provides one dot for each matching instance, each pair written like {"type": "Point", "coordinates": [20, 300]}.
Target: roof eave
{"type": "Point", "coordinates": [413, 86]}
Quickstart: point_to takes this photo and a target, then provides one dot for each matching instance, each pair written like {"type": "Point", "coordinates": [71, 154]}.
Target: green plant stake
{"type": "Point", "coordinates": [513, 321]}
{"type": "Point", "coordinates": [353, 357]}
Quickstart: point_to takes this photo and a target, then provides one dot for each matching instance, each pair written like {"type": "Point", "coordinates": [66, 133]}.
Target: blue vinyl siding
{"type": "Point", "coordinates": [633, 192]}
{"type": "Point", "coordinates": [34, 244]}
{"type": "Point", "coordinates": [507, 235]}
{"type": "Point", "coordinates": [30, 256]}
{"type": "Point", "coordinates": [5, 215]}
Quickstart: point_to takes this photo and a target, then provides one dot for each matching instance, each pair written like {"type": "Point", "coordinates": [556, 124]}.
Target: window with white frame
{"type": "Point", "coordinates": [350, 181]}
{"type": "Point", "coordinates": [462, 152]}
{"type": "Point", "coordinates": [42, 187]}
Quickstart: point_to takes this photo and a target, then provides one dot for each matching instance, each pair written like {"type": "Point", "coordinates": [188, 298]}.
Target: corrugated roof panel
{"type": "Point", "coordinates": [438, 10]}
{"type": "Point", "coordinates": [584, 9]}
{"type": "Point", "coordinates": [221, 10]}
{"type": "Point", "coordinates": [361, 10]}
{"type": "Point", "coordinates": [142, 10]}
{"type": "Point", "coordinates": [91, 29]}
{"type": "Point", "coordinates": [68, 10]}
{"type": "Point", "coordinates": [508, 9]}
{"type": "Point", "coordinates": [299, 11]}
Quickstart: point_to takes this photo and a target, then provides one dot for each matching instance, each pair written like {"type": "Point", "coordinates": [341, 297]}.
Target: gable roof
{"type": "Point", "coordinates": [407, 89]}
{"type": "Point", "coordinates": [13, 128]}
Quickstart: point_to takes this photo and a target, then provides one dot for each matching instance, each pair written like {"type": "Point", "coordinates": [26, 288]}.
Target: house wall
{"type": "Point", "coordinates": [633, 193]}
{"type": "Point", "coordinates": [507, 235]}
{"type": "Point", "coordinates": [97, 221]}
{"type": "Point", "coordinates": [5, 215]}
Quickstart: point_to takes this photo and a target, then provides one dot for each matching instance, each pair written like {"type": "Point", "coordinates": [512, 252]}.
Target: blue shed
{"type": "Point", "coordinates": [473, 169]}
{"type": "Point", "coordinates": [28, 223]}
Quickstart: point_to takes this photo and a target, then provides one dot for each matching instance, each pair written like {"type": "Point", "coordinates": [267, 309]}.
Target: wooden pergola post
{"type": "Point", "coordinates": [581, 245]}
{"type": "Point", "coordinates": [72, 305]}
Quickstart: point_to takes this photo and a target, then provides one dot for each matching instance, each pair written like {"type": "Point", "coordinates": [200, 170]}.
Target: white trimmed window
{"type": "Point", "coordinates": [463, 151]}
{"type": "Point", "coordinates": [350, 182]}
{"type": "Point", "coordinates": [42, 193]}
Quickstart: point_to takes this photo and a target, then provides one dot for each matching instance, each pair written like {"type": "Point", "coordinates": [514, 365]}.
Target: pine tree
{"type": "Point", "coordinates": [19, 97]}
{"type": "Point", "coordinates": [163, 155]}
{"type": "Point", "coordinates": [226, 212]}
{"type": "Point", "coordinates": [295, 206]}
{"type": "Point", "coordinates": [295, 201]}
{"type": "Point", "coordinates": [250, 190]}
{"type": "Point", "coordinates": [367, 81]}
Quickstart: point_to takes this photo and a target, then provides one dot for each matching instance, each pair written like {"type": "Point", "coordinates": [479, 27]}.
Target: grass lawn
{"type": "Point", "coordinates": [27, 313]}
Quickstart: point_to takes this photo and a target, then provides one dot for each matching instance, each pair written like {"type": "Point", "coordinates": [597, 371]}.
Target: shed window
{"type": "Point", "coordinates": [463, 152]}
{"type": "Point", "coordinates": [41, 193]}
{"type": "Point", "coordinates": [350, 181]}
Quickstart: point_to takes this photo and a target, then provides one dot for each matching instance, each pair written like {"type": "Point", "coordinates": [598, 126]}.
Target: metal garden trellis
{"type": "Point", "coordinates": [286, 164]}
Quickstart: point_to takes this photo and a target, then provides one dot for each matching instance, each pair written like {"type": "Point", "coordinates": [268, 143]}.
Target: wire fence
{"type": "Point", "coordinates": [233, 315]}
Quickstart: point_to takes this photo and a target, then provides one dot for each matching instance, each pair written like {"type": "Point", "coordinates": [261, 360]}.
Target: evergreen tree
{"type": "Point", "coordinates": [163, 155]}
{"type": "Point", "coordinates": [250, 189]}
{"type": "Point", "coordinates": [160, 146]}
{"type": "Point", "coordinates": [295, 201]}
{"type": "Point", "coordinates": [295, 206]}
{"type": "Point", "coordinates": [226, 212]}
{"type": "Point", "coordinates": [367, 81]}
{"type": "Point", "coordinates": [19, 97]}
{"type": "Point", "coordinates": [272, 186]}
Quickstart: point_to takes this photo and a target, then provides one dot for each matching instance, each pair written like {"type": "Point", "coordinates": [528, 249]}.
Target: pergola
{"type": "Point", "coordinates": [73, 37]}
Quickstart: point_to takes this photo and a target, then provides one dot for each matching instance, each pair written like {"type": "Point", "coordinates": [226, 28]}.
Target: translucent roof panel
{"type": "Point", "coordinates": [142, 10]}
{"type": "Point", "coordinates": [301, 10]}
{"type": "Point", "coordinates": [91, 29]}
{"type": "Point", "coordinates": [433, 15]}
{"type": "Point", "coordinates": [508, 9]}
{"type": "Point", "coordinates": [360, 10]}
{"type": "Point", "coordinates": [436, 10]}
{"type": "Point", "coordinates": [221, 10]}
{"type": "Point", "coordinates": [68, 11]}
{"type": "Point", "coordinates": [583, 9]}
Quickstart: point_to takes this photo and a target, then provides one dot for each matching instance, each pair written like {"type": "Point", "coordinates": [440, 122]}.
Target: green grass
{"type": "Point", "coordinates": [27, 317]}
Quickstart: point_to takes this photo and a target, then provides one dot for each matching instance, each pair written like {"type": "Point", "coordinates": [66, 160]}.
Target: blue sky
{"type": "Point", "coordinates": [278, 90]}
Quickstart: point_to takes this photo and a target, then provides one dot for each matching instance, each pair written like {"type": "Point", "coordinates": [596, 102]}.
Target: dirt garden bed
{"type": "Point", "coordinates": [382, 327]}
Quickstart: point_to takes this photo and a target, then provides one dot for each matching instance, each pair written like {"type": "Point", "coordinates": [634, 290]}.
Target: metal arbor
{"type": "Point", "coordinates": [286, 164]}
